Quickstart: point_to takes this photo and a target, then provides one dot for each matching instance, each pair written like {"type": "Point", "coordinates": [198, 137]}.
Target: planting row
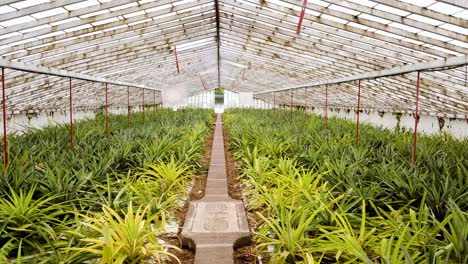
{"type": "Point", "coordinates": [318, 197]}
{"type": "Point", "coordinates": [106, 200]}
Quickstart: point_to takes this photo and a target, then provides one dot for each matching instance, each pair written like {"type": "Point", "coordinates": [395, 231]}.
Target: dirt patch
{"type": "Point", "coordinates": [187, 256]}
{"type": "Point", "coordinates": [245, 254]}
{"type": "Point", "coordinates": [234, 184]}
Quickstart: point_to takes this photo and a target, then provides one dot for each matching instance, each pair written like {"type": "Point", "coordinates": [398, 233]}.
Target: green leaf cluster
{"type": "Point", "coordinates": [107, 199]}
{"type": "Point", "coordinates": [320, 198]}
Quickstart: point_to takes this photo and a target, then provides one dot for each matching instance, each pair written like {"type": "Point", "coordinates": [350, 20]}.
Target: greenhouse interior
{"type": "Point", "coordinates": [234, 131]}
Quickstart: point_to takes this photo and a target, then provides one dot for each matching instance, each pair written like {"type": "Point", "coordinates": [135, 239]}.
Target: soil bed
{"type": "Point", "coordinates": [245, 254]}
{"type": "Point", "coordinates": [187, 256]}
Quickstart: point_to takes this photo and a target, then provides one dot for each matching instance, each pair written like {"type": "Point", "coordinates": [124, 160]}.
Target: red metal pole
{"type": "Point", "coordinates": [107, 114]}
{"type": "Point", "coordinates": [358, 109]}
{"type": "Point", "coordinates": [128, 106]}
{"type": "Point", "coordinates": [282, 100]}
{"type": "Point", "coordinates": [291, 105]}
{"type": "Point", "coordinates": [71, 114]}
{"type": "Point", "coordinates": [5, 141]}
{"type": "Point", "coordinates": [176, 59]}
{"type": "Point", "coordinates": [299, 25]}
{"type": "Point", "coordinates": [274, 100]}
{"type": "Point", "coordinates": [416, 117]}
{"type": "Point", "coordinates": [326, 106]}
{"type": "Point", "coordinates": [305, 104]}
{"type": "Point", "coordinates": [143, 112]}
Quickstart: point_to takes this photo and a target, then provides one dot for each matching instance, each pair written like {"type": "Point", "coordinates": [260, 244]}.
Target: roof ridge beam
{"type": "Point", "coordinates": [399, 70]}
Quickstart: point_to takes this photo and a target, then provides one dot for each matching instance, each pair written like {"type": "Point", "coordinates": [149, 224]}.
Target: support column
{"type": "Point", "coordinates": [416, 119]}
{"type": "Point", "coordinates": [326, 106]}
{"type": "Point", "coordinates": [5, 140]}
{"type": "Point", "coordinates": [282, 100]}
{"type": "Point", "coordinates": [176, 59]}
{"type": "Point", "coordinates": [305, 104]}
{"type": "Point", "coordinates": [357, 113]}
{"type": "Point", "coordinates": [291, 105]}
{"type": "Point", "coordinates": [128, 106]}
{"type": "Point", "coordinates": [143, 110]}
{"type": "Point", "coordinates": [71, 114]}
{"type": "Point", "coordinates": [107, 114]}
{"type": "Point", "coordinates": [299, 25]}
{"type": "Point", "coordinates": [274, 100]}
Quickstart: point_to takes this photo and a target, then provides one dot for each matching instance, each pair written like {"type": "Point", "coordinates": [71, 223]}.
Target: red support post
{"type": "Point", "coordinates": [357, 113]}
{"type": "Point", "coordinates": [143, 112]}
{"type": "Point", "coordinates": [305, 103]}
{"type": "Point", "coordinates": [107, 113]}
{"type": "Point", "coordinates": [176, 59]}
{"type": "Point", "coordinates": [326, 106]}
{"type": "Point", "coordinates": [299, 25]}
{"type": "Point", "coordinates": [282, 100]}
{"type": "Point", "coordinates": [291, 105]}
{"type": "Point", "coordinates": [274, 100]}
{"type": "Point", "coordinates": [128, 106]}
{"type": "Point", "coordinates": [5, 141]}
{"type": "Point", "coordinates": [71, 114]}
{"type": "Point", "coordinates": [416, 119]}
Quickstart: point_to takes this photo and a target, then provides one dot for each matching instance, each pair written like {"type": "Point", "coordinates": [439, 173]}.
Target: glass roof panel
{"type": "Point", "coordinates": [5, 9]}
{"type": "Point", "coordinates": [445, 8]}
{"type": "Point", "coordinates": [405, 27]}
{"type": "Point", "coordinates": [364, 2]}
{"type": "Point", "coordinates": [462, 14]}
{"type": "Point", "coordinates": [423, 3]}
{"type": "Point", "coordinates": [48, 13]}
{"type": "Point", "coordinates": [374, 18]}
{"type": "Point", "coordinates": [434, 36]}
{"type": "Point", "coordinates": [28, 3]}
{"type": "Point", "coordinates": [426, 20]}
{"type": "Point", "coordinates": [454, 28]}
{"type": "Point", "coordinates": [16, 21]}
{"type": "Point", "coordinates": [82, 4]}
{"type": "Point", "coordinates": [392, 10]}
{"type": "Point", "coordinates": [335, 19]}
{"type": "Point", "coordinates": [344, 10]}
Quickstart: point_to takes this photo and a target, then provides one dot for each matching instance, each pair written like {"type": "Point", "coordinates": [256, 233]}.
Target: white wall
{"type": "Point", "coordinates": [202, 100]}
{"type": "Point", "coordinates": [231, 99]}
{"type": "Point", "coordinates": [175, 97]}
{"type": "Point", "coordinates": [246, 99]}
{"type": "Point", "coordinates": [427, 124]}
{"type": "Point", "coordinates": [261, 104]}
{"type": "Point", "coordinates": [20, 122]}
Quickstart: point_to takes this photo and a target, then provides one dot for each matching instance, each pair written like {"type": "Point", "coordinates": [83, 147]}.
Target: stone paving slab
{"type": "Point", "coordinates": [216, 183]}
{"type": "Point", "coordinates": [216, 222]}
{"type": "Point", "coordinates": [216, 191]}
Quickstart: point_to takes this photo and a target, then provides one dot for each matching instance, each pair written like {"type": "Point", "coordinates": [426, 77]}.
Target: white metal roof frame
{"type": "Point", "coordinates": [241, 45]}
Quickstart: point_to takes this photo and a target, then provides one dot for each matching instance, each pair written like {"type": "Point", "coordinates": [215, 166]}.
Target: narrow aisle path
{"type": "Point", "coordinates": [214, 223]}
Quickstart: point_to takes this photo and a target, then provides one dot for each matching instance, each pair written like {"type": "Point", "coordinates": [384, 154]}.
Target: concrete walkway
{"type": "Point", "coordinates": [216, 222]}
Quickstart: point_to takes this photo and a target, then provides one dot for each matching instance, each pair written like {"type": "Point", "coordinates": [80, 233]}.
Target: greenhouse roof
{"type": "Point", "coordinates": [241, 45]}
